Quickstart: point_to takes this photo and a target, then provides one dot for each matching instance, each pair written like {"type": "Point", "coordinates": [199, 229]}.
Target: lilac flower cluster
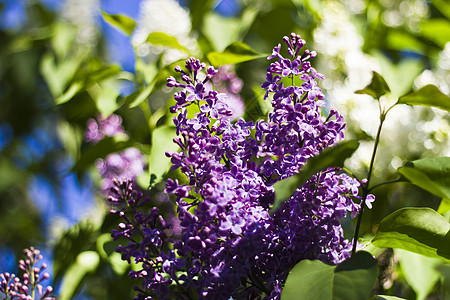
{"type": "Point", "coordinates": [128, 163]}
{"type": "Point", "coordinates": [25, 287]}
{"type": "Point", "coordinates": [101, 127]}
{"type": "Point", "coordinates": [230, 245]}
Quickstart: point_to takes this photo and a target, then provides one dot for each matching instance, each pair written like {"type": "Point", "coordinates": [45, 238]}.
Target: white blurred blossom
{"type": "Point", "coordinates": [415, 131]}
{"type": "Point", "coordinates": [83, 14]}
{"type": "Point", "coordinates": [163, 16]}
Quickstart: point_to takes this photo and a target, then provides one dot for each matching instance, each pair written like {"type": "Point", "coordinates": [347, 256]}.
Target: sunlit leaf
{"type": "Point", "coordinates": [162, 141]}
{"type": "Point", "coordinates": [163, 39]}
{"type": "Point", "coordinates": [419, 230]}
{"type": "Point", "coordinates": [74, 241]}
{"type": "Point", "coordinates": [235, 53]}
{"type": "Point", "coordinates": [106, 250]}
{"type": "Point", "coordinates": [400, 75]}
{"type": "Point", "coordinates": [73, 89]}
{"type": "Point", "coordinates": [105, 72]}
{"type": "Point", "coordinates": [122, 22]}
{"type": "Point", "coordinates": [437, 30]}
{"type": "Point", "coordinates": [58, 75]}
{"type": "Point", "coordinates": [444, 206]}
{"type": "Point", "coordinates": [314, 280]}
{"type": "Point", "coordinates": [420, 271]}
{"type": "Point", "coordinates": [429, 95]}
{"type": "Point", "coordinates": [221, 31]}
{"type": "Point", "coordinates": [430, 174]}
{"type": "Point", "coordinates": [443, 6]}
{"type": "Point", "coordinates": [86, 262]}
{"type": "Point", "coordinates": [329, 158]}
{"type": "Point", "coordinates": [376, 88]}
{"type": "Point", "coordinates": [404, 41]}
{"type": "Point", "coordinates": [139, 96]}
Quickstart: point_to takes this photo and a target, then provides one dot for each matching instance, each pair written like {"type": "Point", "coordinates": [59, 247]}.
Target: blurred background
{"type": "Point", "coordinates": [83, 100]}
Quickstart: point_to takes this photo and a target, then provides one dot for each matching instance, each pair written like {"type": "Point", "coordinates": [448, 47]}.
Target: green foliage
{"type": "Point", "coordinates": [85, 262]}
{"type": "Point", "coordinates": [376, 88]}
{"type": "Point", "coordinates": [162, 141]}
{"type": "Point", "coordinates": [430, 174]}
{"type": "Point", "coordinates": [235, 53]}
{"type": "Point", "coordinates": [121, 22]}
{"type": "Point", "coordinates": [436, 30]}
{"type": "Point", "coordinates": [429, 95]}
{"type": "Point", "coordinates": [420, 271]}
{"type": "Point", "coordinates": [330, 158]}
{"type": "Point", "coordinates": [419, 230]}
{"type": "Point", "coordinates": [74, 241]}
{"type": "Point", "coordinates": [314, 280]}
{"type": "Point", "coordinates": [163, 39]}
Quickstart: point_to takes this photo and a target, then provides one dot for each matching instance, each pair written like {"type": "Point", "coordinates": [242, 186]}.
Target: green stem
{"type": "Point", "coordinates": [369, 175]}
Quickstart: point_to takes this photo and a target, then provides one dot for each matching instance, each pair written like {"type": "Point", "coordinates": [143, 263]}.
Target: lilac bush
{"type": "Point", "coordinates": [231, 244]}
{"type": "Point", "coordinates": [28, 286]}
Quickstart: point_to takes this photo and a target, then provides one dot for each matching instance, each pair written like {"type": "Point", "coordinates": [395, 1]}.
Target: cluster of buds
{"type": "Point", "coordinates": [25, 287]}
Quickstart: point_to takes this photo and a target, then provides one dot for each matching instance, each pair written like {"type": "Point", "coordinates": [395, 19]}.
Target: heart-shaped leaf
{"type": "Point", "coordinates": [315, 280]}
{"type": "Point", "coordinates": [376, 88]}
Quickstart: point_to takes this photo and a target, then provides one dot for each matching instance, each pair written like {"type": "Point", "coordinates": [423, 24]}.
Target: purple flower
{"type": "Point", "coordinates": [229, 244]}
{"type": "Point", "coordinates": [98, 129]}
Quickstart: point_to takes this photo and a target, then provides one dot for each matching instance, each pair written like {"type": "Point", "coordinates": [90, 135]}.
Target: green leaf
{"type": "Point", "coordinates": [429, 95]}
{"type": "Point", "coordinates": [106, 249]}
{"type": "Point", "coordinates": [59, 75]}
{"type": "Point", "coordinates": [86, 262]}
{"type": "Point", "coordinates": [162, 141]}
{"type": "Point", "coordinates": [329, 158]}
{"type": "Point", "coordinates": [104, 72]}
{"type": "Point", "coordinates": [100, 150]}
{"type": "Point", "coordinates": [122, 22]}
{"type": "Point", "coordinates": [419, 230]}
{"type": "Point", "coordinates": [235, 53]}
{"type": "Point", "coordinates": [73, 89]}
{"type": "Point", "coordinates": [403, 40]}
{"type": "Point", "coordinates": [430, 174]}
{"type": "Point", "coordinates": [105, 96]}
{"type": "Point", "coordinates": [74, 241]}
{"type": "Point", "coordinates": [220, 31]}
{"type": "Point", "coordinates": [444, 206]}
{"type": "Point", "coordinates": [420, 271]}
{"type": "Point", "coordinates": [163, 39]}
{"type": "Point", "coordinates": [315, 280]}
{"type": "Point", "coordinates": [443, 6]}
{"type": "Point", "coordinates": [436, 30]}
{"type": "Point", "coordinates": [376, 88]}
{"type": "Point", "coordinates": [136, 98]}
{"type": "Point", "coordinates": [400, 75]}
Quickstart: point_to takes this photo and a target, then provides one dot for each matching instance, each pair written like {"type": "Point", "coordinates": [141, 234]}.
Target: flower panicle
{"type": "Point", "coordinates": [25, 286]}
{"type": "Point", "coordinates": [231, 245]}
